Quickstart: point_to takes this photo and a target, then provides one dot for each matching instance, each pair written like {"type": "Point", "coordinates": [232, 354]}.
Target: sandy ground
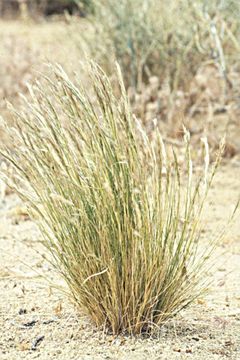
{"type": "Point", "coordinates": [38, 322]}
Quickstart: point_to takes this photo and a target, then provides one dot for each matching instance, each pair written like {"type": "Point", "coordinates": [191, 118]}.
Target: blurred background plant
{"type": "Point", "coordinates": [170, 39]}
{"type": "Point", "coordinates": [179, 58]}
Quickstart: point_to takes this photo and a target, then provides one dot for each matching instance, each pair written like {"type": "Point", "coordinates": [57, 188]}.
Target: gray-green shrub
{"type": "Point", "coordinates": [167, 38]}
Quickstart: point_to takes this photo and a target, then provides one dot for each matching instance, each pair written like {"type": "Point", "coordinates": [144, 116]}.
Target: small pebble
{"type": "Point", "coordinates": [195, 338]}
{"type": "Point", "coordinates": [30, 323]}
{"type": "Point", "coordinates": [36, 342]}
{"type": "Point", "coordinates": [22, 311]}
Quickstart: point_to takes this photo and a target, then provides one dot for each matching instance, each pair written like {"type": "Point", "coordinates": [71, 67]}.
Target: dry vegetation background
{"type": "Point", "coordinates": [190, 76]}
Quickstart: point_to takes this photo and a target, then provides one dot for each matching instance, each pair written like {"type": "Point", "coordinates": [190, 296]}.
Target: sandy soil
{"type": "Point", "coordinates": [38, 322]}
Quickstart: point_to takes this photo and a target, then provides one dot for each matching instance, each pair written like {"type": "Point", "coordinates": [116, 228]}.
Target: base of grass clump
{"type": "Point", "coordinates": [120, 217]}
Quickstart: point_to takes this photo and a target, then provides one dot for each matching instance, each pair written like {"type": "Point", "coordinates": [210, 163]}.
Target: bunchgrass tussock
{"type": "Point", "coordinates": [119, 214]}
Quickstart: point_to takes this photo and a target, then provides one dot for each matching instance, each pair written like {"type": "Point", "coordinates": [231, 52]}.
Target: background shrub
{"type": "Point", "coordinates": [169, 38]}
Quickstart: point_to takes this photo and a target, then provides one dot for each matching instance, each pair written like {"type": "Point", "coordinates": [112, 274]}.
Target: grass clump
{"type": "Point", "coordinates": [120, 217]}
